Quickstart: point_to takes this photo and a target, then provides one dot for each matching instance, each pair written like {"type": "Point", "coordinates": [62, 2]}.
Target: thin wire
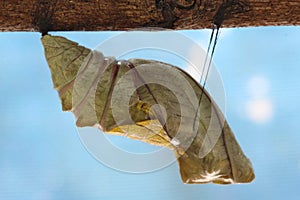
{"type": "Point", "coordinates": [215, 36]}
{"type": "Point", "coordinates": [212, 53]}
{"type": "Point", "coordinates": [204, 66]}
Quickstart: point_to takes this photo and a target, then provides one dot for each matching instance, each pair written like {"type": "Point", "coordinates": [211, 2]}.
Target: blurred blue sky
{"type": "Point", "coordinates": [42, 156]}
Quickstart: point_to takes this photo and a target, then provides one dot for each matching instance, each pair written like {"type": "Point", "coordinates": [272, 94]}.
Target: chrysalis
{"type": "Point", "coordinates": [150, 101]}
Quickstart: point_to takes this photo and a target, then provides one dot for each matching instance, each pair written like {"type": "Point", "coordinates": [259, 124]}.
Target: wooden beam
{"type": "Point", "coordinates": [103, 15]}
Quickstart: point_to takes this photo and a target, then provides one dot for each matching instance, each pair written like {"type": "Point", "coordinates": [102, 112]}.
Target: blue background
{"type": "Point", "coordinates": [41, 156]}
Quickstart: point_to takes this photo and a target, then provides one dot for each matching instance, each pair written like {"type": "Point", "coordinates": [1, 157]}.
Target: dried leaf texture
{"type": "Point", "coordinates": [150, 101]}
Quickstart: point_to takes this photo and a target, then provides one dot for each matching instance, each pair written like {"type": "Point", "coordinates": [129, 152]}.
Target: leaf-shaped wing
{"type": "Point", "coordinates": [149, 101]}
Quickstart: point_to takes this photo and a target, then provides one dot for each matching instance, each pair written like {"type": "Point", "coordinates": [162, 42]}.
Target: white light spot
{"type": "Point", "coordinates": [258, 87]}
{"type": "Point", "coordinates": [208, 177]}
{"type": "Point", "coordinates": [175, 142]}
{"type": "Point", "coordinates": [259, 108]}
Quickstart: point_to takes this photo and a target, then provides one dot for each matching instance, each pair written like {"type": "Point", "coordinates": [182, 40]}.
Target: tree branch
{"type": "Point", "coordinates": [100, 15]}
